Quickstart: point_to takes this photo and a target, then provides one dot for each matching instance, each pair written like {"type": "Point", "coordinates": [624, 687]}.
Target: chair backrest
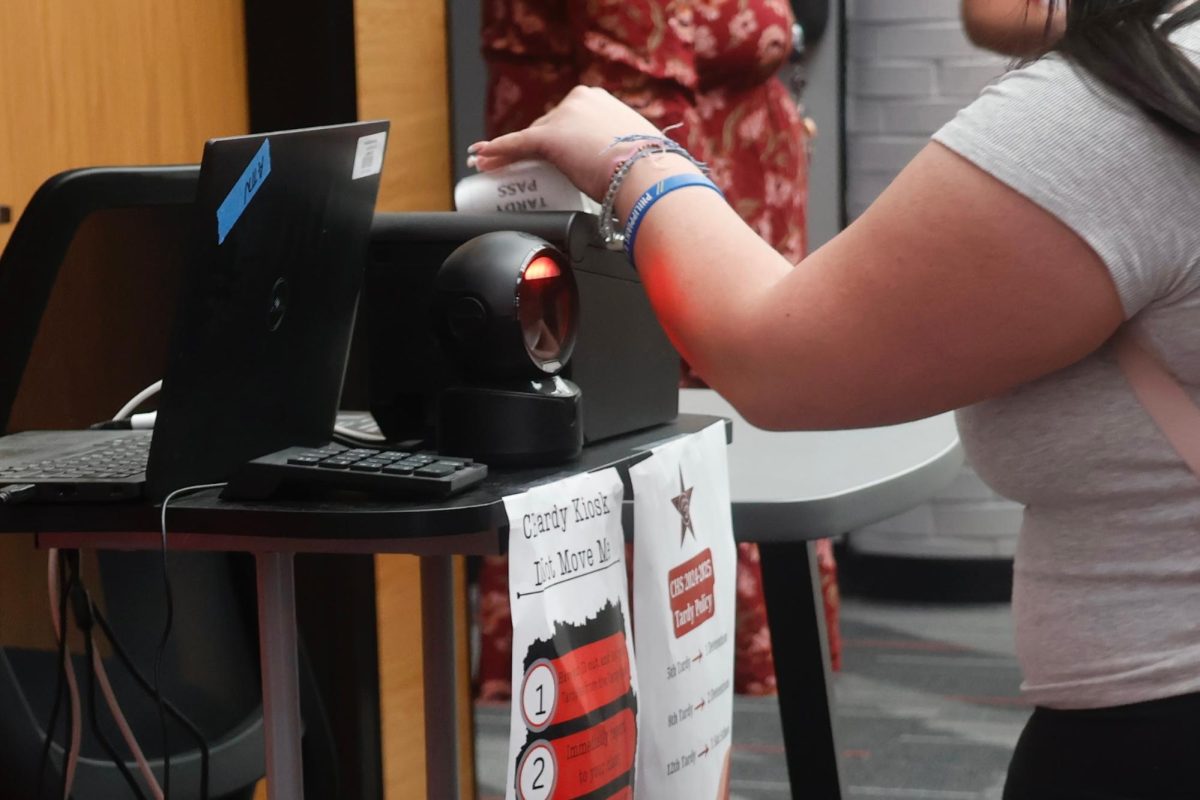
{"type": "Point", "coordinates": [102, 298]}
{"type": "Point", "coordinates": [211, 668]}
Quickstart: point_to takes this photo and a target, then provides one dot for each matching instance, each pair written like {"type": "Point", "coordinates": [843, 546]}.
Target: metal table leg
{"type": "Point", "coordinates": [280, 675]}
{"type": "Point", "coordinates": [441, 686]}
{"type": "Point", "coordinates": [798, 638]}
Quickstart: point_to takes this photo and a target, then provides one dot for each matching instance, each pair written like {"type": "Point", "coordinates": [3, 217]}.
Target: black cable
{"type": "Point", "coordinates": [84, 622]}
{"type": "Point", "coordinates": [70, 559]}
{"type": "Point", "coordinates": [317, 731]}
{"type": "Point", "coordinates": [69, 748]}
{"type": "Point", "coordinates": [166, 634]}
{"type": "Point", "coordinates": [111, 425]}
{"type": "Point", "coordinates": [158, 659]}
{"type": "Point", "coordinates": [175, 713]}
{"type": "Point", "coordinates": [59, 689]}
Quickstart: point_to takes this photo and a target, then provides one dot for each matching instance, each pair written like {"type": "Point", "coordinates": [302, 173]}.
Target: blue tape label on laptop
{"type": "Point", "coordinates": [243, 191]}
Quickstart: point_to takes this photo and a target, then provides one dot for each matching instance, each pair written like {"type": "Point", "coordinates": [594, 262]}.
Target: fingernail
{"type": "Point", "coordinates": [475, 148]}
{"type": "Point", "coordinates": [472, 161]}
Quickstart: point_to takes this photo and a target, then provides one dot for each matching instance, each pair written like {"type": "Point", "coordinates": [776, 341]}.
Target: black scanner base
{"type": "Point", "coordinates": [523, 424]}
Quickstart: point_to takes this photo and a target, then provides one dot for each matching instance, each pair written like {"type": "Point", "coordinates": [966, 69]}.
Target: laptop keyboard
{"type": "Point", "coordinates": [125, 457]}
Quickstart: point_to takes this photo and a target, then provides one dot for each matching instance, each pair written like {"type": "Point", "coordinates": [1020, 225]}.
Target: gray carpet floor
{"type": "Point", "coordinates": [926, 707]}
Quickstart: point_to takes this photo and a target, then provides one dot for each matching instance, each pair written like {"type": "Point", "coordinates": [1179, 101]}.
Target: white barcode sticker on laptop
{"type": "Point", "coordinates": [368, 156]}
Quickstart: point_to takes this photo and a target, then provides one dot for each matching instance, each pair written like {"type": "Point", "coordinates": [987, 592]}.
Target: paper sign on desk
{"type": "Point", "coordinates": [575, 696]}
{"type": "Point", "coordinates": [685, 582]}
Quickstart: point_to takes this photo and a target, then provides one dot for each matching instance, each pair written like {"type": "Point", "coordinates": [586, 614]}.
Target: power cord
{"type": "Point", "coordinates": [82, 604]}
{"type": "Point", "coordinates": [137, 422]}
{"type": "Point", "coordinates": [125, 419]}
{"type": "Point", "coordinates": [123, 655]}
{"type": "Point", "coordinates": [114, 707]}
{"type": "Point", "coordinates": [97, 617]}
{"type": "Point", "coordinates": [70, 559]}
{"type": "Point", "coordinates": [85, 615]}
{"type": "Point", "coordinates": [166, 634]}
{"type": "Point", "coordinates": [137, 400]}
{"type": "Point", "coordinates": [65, 676]}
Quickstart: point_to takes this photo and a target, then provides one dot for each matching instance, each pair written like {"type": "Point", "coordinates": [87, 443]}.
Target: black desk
{"type": "Point", "coordinates": [474, 523]}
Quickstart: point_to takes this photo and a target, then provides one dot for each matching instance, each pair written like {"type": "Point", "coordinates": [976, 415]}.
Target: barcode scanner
{"type": "Point", "coordinates": [506, 306]}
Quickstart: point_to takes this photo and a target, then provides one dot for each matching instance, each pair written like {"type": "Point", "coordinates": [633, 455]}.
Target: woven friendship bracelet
{"type": "Point", "coordinates": [650, 144]}
{"type": "Point", "coordinates": [608, 220]}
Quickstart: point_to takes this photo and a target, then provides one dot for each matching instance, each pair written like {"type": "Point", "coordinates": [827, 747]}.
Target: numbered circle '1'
{"type": "Point", "coordinates": [539, 695]}
{"type": "Point", "coordinates": [537, 773]}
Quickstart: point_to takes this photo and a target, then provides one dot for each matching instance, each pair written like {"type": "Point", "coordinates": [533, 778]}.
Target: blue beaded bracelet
{"type": "Point", "coordinates": [652, 196]}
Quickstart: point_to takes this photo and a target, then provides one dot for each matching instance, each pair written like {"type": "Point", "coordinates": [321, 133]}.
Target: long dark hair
{"type": "Point", "coordinates": [1124, 44]}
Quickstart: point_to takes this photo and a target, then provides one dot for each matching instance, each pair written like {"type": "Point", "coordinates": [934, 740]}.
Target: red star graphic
{"type": "Point", "coordinates": [683, 504]}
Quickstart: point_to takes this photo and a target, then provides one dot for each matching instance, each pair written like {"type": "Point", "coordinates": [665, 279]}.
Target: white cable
{"type": "Point", "coordinates": [143, 422]}
{"type": "Point", "coordinates": [162, 644]}
{"type": "Point", "coordinates": [72, 686]}
{"type": "Point", "coordinates": [138, 399]}
{"type": "Point", "coordinates": [362, 436]}
{"type": "Point", "coordinates": [131, 742]}
{"type": "Point", "coordinates": [184, 490]}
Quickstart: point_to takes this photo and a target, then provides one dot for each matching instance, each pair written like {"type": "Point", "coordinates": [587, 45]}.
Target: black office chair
{"type": "Point", "coordinates": [210, 669]}
{"type": "Point", "coordinates": [210, 673]}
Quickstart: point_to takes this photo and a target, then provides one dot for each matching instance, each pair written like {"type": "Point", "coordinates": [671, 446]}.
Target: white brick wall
{"type": "Point", "coordinates": [910, 68]}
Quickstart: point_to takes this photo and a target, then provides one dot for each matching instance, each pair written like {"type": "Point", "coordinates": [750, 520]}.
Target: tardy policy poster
{"type": "Point", "coordinates": [684, 578]}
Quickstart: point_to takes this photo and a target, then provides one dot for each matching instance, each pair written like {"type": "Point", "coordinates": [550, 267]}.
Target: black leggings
{"type": "Point", "coordinates": [1145, 751]}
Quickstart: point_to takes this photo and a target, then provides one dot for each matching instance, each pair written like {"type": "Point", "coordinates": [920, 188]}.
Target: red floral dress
{"type": "Point", "coordinates": [705, 63]}
{"type": "Point", "coordinates": [708, 66]}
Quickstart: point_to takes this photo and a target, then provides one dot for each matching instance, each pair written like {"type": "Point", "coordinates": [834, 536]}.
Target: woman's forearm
{"type": "Point", "coordinates": [927, 302]}
{"type": "Point", "coordinates": [706, 290]}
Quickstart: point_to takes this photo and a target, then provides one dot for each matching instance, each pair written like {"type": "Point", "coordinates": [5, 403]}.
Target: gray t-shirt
{"type": "Point", "coordinates": [1106, 594]}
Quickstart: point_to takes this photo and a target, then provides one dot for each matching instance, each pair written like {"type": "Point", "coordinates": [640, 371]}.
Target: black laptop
{"type": "Point", "coordinates": [262, 325]}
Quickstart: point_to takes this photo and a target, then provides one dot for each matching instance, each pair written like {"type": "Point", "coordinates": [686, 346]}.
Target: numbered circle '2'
{"type": "Point", "coordinates": [539, 695]}
{"type": "Point", "coordinates": [537, 772]}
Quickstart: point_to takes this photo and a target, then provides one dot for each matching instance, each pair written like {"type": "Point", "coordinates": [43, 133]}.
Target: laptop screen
{"type": "Point", "coordinates": [266, 306]}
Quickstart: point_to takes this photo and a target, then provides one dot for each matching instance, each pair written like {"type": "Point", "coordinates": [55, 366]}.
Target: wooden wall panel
{"type": "Point", "coordinates": [401, 676]}
{"type": "Point", "coordinates": [146, 81]}
{"type": "Point", "coordinates": [114, 82]}
{"type": "Point", "coordinates": [403, 76]}
{"type": "Point", "coordinates": [84, 84]}
{"type": "Point", "coordinates": [401, 679]}
{"type": "Point", "coordinates": [466, 711]}
{"type": "Point", "coordinates": [25, 596]}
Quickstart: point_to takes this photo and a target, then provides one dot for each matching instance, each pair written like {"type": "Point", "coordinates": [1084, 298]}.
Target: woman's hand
{"type": "Point", "coordinates": [575, 137]}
